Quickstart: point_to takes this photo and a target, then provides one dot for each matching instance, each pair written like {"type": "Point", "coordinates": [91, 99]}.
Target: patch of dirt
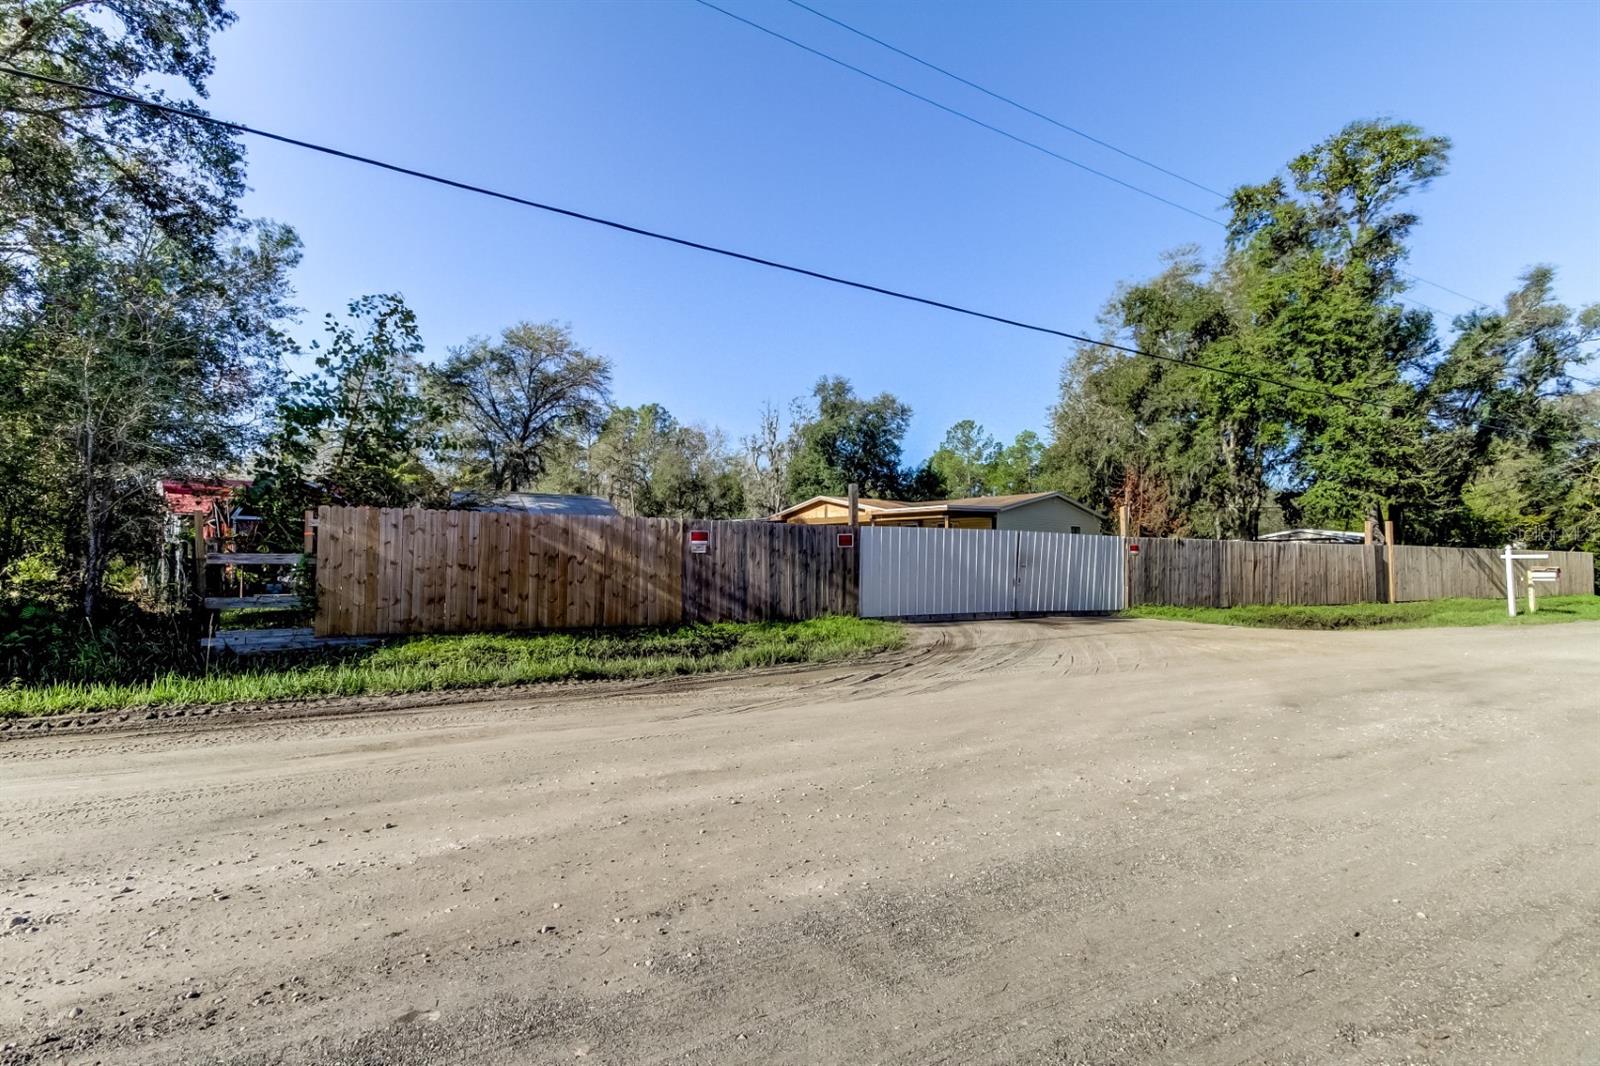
{"type": "Point", "coordinates": [1055, 841]}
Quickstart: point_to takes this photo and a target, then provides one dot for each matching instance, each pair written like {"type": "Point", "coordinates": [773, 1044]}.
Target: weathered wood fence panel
{"type": "Point", "coordinates": [1228, 573]}
{"type": "Point", "coordinates": [1423, 573]}
{"type": "Point", "coordinates": [393, 571]}
{"type": "Point", "coordinates": [765, 571]}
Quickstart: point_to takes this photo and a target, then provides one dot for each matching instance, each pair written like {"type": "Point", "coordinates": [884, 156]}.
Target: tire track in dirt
{"type": "Point", "coordinates": [1042, 841]}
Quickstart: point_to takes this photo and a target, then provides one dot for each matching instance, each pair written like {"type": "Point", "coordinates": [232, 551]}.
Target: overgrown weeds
{"type": "Point", "coordinates": [438, 663]}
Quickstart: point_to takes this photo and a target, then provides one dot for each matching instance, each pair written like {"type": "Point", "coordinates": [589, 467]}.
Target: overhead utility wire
{"type": "Point", "coordinates": [1008, 100]}
{"type": "Point", "coordinates": [931, 102]}
{"type": "Point", "coordinates": [1020, 106]}
{"type": "Point", "coordinates": [239, 127]}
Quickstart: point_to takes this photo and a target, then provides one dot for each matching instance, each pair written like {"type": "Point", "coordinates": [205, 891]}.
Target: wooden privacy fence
{"type": "Point", "coordinates": [1227, 573]}
{"type": "Point", "coordinates": [392, 571]}
{"type": "Point", "coordinates": [1423, 573]}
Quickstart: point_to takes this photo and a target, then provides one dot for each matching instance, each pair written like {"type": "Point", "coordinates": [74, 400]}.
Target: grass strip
{"type": "Point", "coordinates": [1419, 615]}
{"type": "Point", "coordinates": [479, 660]}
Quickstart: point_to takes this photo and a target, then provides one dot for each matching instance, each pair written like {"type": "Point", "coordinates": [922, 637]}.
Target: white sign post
{"type": "Point", "coordinates": [1511, 577]}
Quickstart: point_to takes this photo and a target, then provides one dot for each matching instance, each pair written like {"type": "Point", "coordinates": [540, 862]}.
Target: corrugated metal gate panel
{"type": "Point", "coordinates": [1069, 572]}
{"type": "Point", "coordinates": [910, 572]}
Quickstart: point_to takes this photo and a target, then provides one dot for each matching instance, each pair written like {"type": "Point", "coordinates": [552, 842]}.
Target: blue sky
{"type": "Point", "coordinates": [671, 116]}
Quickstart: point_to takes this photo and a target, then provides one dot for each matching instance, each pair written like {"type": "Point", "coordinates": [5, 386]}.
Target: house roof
{"type": "Point", "coordinates": [1330, 536]}
{"type": "Point", "coordinates": [196, 497]}
{"type": "Point", "coordinates": [963, 505]}
{"type": "Point", "coordinates": [534, 503]}
{"type": "Point", "coordinates": [866, 503]}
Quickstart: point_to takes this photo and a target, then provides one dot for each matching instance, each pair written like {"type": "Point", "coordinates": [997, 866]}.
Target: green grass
{"type": "Point", "coordinates": [428, 664]}
{"type": "Point", "coordinates": [1384, 615]}
{"type": "Point", "coordinates": [262, 618]}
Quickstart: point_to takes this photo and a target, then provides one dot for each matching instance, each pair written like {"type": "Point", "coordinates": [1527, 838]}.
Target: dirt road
{"type": "Point", "coordinates": [1073, 841]}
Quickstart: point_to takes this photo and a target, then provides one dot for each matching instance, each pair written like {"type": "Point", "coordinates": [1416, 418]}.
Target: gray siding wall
{"type": "Point", "coordinates": [1052, 515]}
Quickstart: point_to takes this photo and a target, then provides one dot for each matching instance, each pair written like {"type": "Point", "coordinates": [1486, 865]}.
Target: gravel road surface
{"type": "Point", "coordinates": [1074, 841]}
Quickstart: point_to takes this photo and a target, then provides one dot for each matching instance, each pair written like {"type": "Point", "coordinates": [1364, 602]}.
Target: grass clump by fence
{"type": "Point", "coordinates": [436, 663]}
{"type": "Point", "coordinates": [1422, 614]}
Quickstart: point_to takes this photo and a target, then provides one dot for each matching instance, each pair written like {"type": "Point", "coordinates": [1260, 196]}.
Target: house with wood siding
{"type": "Point", "coordinates": [1048, 512]}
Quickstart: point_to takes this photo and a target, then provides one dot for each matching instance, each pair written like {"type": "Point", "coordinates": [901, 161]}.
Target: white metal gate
{"type": "Point", "coordinates": [908, 572]}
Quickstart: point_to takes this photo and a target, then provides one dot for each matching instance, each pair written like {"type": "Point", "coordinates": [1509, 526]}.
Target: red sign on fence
{"type": "Point", "coordinates": [1133, 549]}
{"type": "Point", "coordinates": [846, 540]}
{"type": "Point", "coordinates": [699, 540]}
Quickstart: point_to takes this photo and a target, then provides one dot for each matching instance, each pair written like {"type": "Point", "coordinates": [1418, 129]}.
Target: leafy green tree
{"type": "Point", "coordinates": [647, 463]}
{"type": "Point", "coordinates": [971, 462]}
{"type": "Point", "coordinates": [1206, 444]}
{"type": "Point", "coordinates": [1305, 293]}
{"type": "Point", "coordinates": [844, 438]}
{"type": "Point", "coordinates": [78, 164]}
{"type": "Point", "coordinates": [358, 430]}
{"type": "Point", "coordinates": [515, 402]}
{"type": "Point", "coordinates": [1317, 268]}
{"type": "Point", "coordinates": [965, 461]}
{"type": "Point", "coordinates": [138, 312]}
{"type": "Point", "coordinates": [1019, 466]}
{"type": "Point", "coordinates": [141, 361]}
{"type": "Point", "coordinates": [1512, 436]}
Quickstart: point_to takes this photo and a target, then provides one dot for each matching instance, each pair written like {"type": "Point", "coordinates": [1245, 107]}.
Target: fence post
{"type": "Point", "coordinates": [201, 583]}
{"type": "Point", "coordinates": [1388, 549]}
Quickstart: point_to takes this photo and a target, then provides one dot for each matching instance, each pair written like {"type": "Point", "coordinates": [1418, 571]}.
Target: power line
{"type": "Point", "coordinates": [1036, 114]}
{"type": "Point", "coordinates": [242, 128]}
{"type": "Point", "coordinates": [1008, 100]}
{"type": "Point", "coordinates": [931, 102]}
{"type": "Point", "coordinates": [1446, 288]}
{"type": "Point", "coordinates": [339, 153]}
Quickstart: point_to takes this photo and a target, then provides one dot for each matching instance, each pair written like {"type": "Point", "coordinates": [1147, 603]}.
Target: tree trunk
{"type": "Point", "coordinates": [92, 564]}
{"type": "Point", "coordinates": [91, 532]}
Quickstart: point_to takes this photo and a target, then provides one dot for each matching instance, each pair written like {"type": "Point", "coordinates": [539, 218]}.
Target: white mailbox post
{"type": "Point", "coordinates": [1510, 555]}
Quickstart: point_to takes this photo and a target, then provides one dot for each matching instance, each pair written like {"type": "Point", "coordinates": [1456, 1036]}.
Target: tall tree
{"type": "Point", "coordinates": [1318, 267]}
{"type": "Point", "coordinates": [358, 429]}
{"type": "Point", "coordinates": [515, 401]}
{"type": "Point", "coordinates": [966, 459]}
{"type": "Point", "coordinates": [647, 463]}
{"type": "Point", "coordinates": [765, 458]}
{"type": "Point", "coordinates": [844, 438]}
{"type": "Point", "coordinates": [1019, 466]}
{"type": "Point", "coordinates": [77, 164]}
{"type": "Point", "coordinates": [1306, 293]}
{"type": "Point", "coordinates": [1511, 435]}
{"type": "Point", "coordinates": [1204, 443]}
{"type": "Point", "coordinates": [971, 462]}
{"type": "Point", "coordinates": [139, 314]}
{"type": "Point", "coordinates": [141, 361]}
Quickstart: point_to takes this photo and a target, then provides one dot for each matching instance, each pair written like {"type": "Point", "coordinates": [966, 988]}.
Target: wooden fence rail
{"type": "Point", "coordinates": [1228, 573]}
{"type": "Point", "coordinates": [392, 571]}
